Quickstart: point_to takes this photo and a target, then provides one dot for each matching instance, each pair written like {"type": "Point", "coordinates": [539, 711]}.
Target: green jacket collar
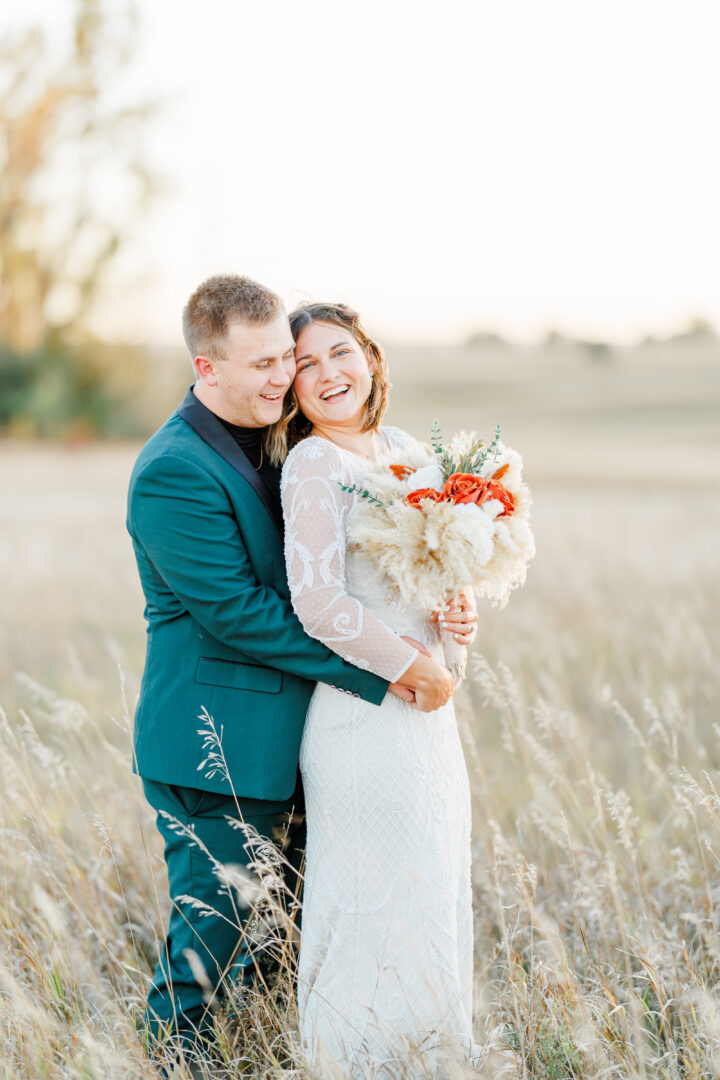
{"type": "Point", "coordinates": [204, 422]}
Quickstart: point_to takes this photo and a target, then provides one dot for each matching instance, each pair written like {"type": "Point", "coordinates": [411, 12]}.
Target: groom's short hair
{"type": "Point", "coordinates": [220, 301]}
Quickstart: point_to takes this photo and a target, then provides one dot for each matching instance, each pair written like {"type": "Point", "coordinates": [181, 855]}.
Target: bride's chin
{"type": "Point", "coordinates": [348, 415]}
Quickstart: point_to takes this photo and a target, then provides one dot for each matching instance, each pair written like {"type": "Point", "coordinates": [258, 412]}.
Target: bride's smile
{"type": "Point", "coordinates": [333, 377]}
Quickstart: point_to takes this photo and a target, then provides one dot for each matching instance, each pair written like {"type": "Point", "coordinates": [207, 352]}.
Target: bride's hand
{"type": "Point", "coordinates": [430, 680]}
{"type": "Point", "coordinates": [426, 684]}
{"type": "Point", "coordinates": [437, 692]}
{"type": "Point", "coordinates": [401, 689]}
{"type": "Point", "coordinates": [460, 618]}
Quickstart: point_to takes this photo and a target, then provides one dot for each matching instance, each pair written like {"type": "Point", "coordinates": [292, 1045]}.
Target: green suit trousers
{"type": "Point", "coordinates": [177, 1003]}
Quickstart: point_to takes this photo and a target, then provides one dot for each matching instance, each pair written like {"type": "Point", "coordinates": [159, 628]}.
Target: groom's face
{"type": "Point", "coordinates": [256, 372]}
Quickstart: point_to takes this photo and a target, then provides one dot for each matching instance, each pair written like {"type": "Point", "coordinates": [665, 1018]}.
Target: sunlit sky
{"type": "Point", "coordinates": [513, 165]}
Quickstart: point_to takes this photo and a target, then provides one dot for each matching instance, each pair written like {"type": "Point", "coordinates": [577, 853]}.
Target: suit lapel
{"type": "Point", "coordinates": [203, 421]}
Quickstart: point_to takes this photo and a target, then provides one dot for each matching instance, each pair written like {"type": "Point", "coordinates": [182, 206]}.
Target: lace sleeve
{"type": "Point", "coordinates": [314, 507]}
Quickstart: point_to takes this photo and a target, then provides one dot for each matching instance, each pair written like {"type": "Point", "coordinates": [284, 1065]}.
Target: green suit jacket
{"type": "Point", "coordinates": [222, 634]}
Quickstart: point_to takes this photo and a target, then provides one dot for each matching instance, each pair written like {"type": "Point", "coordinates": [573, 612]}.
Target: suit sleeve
{"type": "Point", "coordinates": [182, 518]}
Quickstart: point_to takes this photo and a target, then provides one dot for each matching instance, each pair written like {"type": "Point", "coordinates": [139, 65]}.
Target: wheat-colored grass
{"type": "Point", "coordinates": [591, 728]}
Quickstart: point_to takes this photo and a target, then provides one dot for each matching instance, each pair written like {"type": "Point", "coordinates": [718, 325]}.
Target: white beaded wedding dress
{"type": "Point", "coordinates": [385, 970]}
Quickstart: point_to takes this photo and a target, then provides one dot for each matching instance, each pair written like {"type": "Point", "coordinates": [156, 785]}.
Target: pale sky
{"type": "Point", "coordinates": [507, 164]}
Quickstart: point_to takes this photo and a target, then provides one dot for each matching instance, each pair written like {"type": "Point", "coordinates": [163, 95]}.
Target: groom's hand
{"type": "Point", "coordinates": [401, 689]}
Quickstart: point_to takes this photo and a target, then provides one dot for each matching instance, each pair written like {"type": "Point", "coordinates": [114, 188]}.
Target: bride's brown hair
{"type": "Point", "coordinates": [292, 425]}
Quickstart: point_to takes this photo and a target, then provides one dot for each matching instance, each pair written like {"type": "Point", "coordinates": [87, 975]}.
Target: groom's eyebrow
{"type": "Point", "coordinates": [267, 359]}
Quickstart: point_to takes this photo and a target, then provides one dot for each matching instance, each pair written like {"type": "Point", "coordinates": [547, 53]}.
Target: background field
{"type": "Point", "coordinates": [590, 723]}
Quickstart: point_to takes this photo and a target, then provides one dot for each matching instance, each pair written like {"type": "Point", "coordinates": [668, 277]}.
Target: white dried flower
{"type": "Point", "coordinates": [428, 477]}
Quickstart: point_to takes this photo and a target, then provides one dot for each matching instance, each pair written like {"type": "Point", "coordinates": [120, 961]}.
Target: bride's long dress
{"type": "Point", "coordinates": [386, 950]}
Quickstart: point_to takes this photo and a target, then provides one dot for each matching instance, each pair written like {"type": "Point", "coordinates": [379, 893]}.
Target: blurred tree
{"type": "Point", "coordinates": [698, 330]}
{"type": "Point", "coordinates": [596, 350]}
{"type": "Point", "coordinates": [555, 340]}
{"type": "Point", "coordinates": [484, 339]}
{"type": "Point", "coordinates": [72, 173]}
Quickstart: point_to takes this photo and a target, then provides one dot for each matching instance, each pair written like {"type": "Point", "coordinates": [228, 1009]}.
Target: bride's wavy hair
{"type": "Point", "coordinates": [293, 425]}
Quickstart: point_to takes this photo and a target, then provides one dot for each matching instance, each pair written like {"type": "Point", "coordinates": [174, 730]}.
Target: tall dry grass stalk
{"type": "Point", "coordinates": [591, 727]}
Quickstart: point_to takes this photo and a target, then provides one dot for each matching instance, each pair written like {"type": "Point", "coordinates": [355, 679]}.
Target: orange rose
{"type": "Point", "coordinates": [466, 488]}
{"type": "Point", "coordinates": [415, 497]}
{"type": "Point", "coordinates": [497, 491]}
{"type": "Point", "coordinates": [463, 488]}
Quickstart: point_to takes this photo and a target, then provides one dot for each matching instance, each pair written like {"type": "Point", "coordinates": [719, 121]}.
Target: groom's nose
{"type": "Point", "coordinates": [281, 375]}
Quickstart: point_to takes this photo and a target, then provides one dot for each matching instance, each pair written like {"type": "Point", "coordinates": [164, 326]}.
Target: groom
{"type": "Point", "coordinates": [223, 643]}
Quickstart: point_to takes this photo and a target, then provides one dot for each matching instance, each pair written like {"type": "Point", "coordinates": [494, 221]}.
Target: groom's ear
{"type": "Point", "coordinates": [206, 370]}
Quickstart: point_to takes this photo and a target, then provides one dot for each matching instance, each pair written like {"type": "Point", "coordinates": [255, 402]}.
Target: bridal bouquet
{"type": "Point", "coordinates": [445, 519]}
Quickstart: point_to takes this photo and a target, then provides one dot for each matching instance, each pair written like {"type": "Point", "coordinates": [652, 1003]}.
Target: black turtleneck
{"type": "Point", "coordinates": [250, 441]}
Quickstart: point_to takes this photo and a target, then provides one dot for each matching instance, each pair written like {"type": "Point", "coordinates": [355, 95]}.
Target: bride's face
{"type": "Point", "coordinates": [333, 378]}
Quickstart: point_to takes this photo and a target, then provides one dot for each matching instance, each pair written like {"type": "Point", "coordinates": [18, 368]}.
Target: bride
{"type": "Point", "coordinates": [385, 970]}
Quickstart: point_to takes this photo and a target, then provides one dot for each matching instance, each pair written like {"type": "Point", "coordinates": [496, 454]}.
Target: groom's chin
{"type": "Point", "coordinates": [271, 410]}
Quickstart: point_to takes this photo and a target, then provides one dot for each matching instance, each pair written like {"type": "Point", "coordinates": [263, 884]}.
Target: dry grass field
{"type": "Point", "coordinates": [591, 726]}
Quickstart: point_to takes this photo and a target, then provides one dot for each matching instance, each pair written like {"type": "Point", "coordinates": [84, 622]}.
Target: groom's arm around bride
{"type": "Point", "coordinates": [222, 632]}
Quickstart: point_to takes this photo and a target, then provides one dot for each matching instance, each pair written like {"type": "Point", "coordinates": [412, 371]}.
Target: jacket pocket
{"type": "Point", "coordinates": [238, 676]}
{"type": "Point", "coordinates": [191, 799]}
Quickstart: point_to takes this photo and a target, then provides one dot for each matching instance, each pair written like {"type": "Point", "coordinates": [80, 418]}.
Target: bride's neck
{"type": "Point", "coordinates": [368, 444]}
